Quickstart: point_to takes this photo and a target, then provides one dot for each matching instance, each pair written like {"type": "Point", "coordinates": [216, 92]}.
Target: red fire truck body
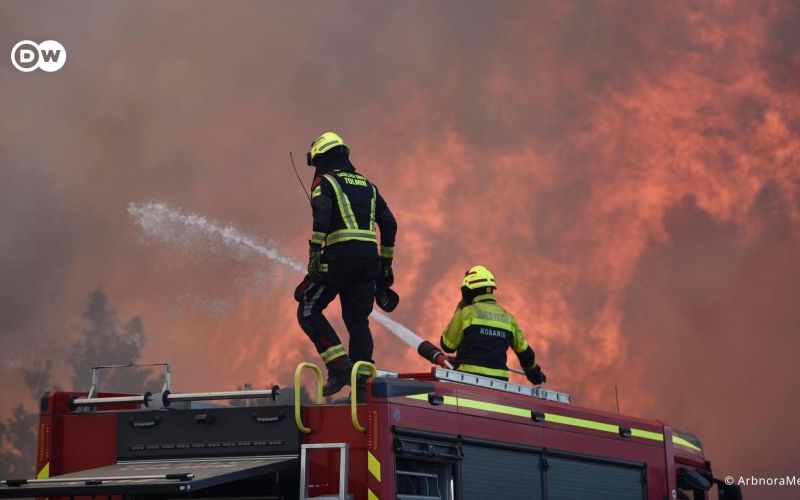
{"type": "Point", "coordinates": [442, 434]}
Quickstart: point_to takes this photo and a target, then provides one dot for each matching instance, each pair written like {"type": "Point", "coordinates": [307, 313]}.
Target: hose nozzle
{"type": "Point", "coordinates": [433, 354]}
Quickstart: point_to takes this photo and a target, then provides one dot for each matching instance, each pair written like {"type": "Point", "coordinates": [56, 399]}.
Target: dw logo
{"type": "Point", "coordinates": [48, 56]}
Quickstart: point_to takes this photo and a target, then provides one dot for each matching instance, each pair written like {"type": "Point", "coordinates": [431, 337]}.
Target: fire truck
{"type": "Point", "coordinates": [441, 434]}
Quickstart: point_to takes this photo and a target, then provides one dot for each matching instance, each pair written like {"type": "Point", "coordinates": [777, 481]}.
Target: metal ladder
{"type": "Point", "coordinates": [492, 383]}
{"type": "Point", "coordinates": [344, 461]}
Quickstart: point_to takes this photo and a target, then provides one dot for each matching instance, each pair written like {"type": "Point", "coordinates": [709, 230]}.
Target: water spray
{"type": "Point", "coordinates": [171, 225]}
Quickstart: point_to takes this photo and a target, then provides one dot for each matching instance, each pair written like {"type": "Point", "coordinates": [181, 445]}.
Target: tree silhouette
{"type": "Point", "coordinates": [18, 433]}
{"type": "Point", "coordinates": [102, 342]}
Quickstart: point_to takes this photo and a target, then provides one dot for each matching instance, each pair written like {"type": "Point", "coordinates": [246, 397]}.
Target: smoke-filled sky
{"type": "Point", "coordinates": [628, 170]}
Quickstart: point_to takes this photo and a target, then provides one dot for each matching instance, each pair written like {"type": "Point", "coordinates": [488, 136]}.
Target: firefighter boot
{"type": "Point", "coordinates": [360, 391]}
{"type": "Point", "coordinates": [338, 377]}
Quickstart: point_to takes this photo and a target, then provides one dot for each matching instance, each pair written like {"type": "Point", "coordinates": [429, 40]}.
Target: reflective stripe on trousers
{"type": "Point", "coordinates": [309, 304]}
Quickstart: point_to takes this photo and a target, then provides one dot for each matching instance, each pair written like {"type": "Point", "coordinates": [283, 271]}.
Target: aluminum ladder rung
{"type": "Point", "coordinates": [493, 383]}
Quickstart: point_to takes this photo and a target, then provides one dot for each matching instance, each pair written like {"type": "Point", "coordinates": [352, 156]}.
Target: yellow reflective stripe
{"type": "Point", "coordinates": [328, 145]}
{"type": "Point", "coordinates": [343, 238]}
{"type": "Point", "coordinates": [316, 192]}
{"type": "Point", "coordinates": [344, 203]}
{"type": "Point", "coordinates": [482, 370]}
{"type": "Point", "coordinates": [45, 472]}
{"type": "Point", "coordinates": [447, 343]}
{"type": "Point", "coordinates": [448, 400]}
{"type": "Point", "coordinates": [350, 215]}
{"type": "Point", "coordinates": [371, 495]}
{"type": "Point", "coordinates": [494, 407]}
{"type": "Point", "coordinates": [364, 370]}
{"type": "Point", "coordinates": [553, 418]}
{"type": "Point", "coordinates": [332, 356]}
{"type": "Point", "coordinates": [491, 322]}
{"type": "Point", "coordinates": [372, 209]}
{"type": "Point", "coordinates": [346, 210]}
{"type": "Point", "coordinates": [519, 346]}
{"type": "Point", "coordinates": [387, 252]}
{"type": "Point", "coordinates": [518, 342]}
{"type": "Point", "coordinates": [317, 238]}
{"type": "Point", "coordinates": [421, 397]}
{"type": "Point", "coordinates": [350, 234]}
{"type": "Point", "coordinates": [373, 466]}
{"type": "Point", "coordinates": [332, 353]}
{"type": "Point", "coordinates": [579, 422]}
{"type": "Point", "coordinates": [655, 436]}
{"type": "Point", "coordinates": [682, 442]}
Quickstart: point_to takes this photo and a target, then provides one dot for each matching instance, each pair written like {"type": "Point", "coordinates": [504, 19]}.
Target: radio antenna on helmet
{"type": "Point", "coordinates": [298, 176]}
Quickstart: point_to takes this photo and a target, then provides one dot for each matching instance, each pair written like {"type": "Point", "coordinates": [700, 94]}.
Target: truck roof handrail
{"type": "Point", "coordinates": [298, 419]}
{"type": "Point", "coordinates": [354, 392]}
{"type": "Point", "coordinates": [163, 400]}
{"type": "Point", "coordinates": [95, 389]}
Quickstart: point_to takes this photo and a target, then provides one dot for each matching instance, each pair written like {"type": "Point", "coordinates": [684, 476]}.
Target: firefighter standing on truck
{"type": "Point", "coordinates": [481, 332]}
{"type": "Point", "coordinates": [343, 258]}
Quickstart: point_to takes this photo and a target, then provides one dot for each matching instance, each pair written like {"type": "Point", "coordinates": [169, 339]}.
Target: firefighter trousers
{"type": "Point", "coordinates": [353, 280]}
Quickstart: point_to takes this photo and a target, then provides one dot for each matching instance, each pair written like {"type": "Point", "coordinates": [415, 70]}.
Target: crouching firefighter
{"type": "Point", "coordinates": [343, 258]}
{"type": "Point", "coordinates": [481, 332]}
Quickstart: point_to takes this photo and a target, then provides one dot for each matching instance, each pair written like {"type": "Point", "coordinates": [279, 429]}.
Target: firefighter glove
{"type": "Point", "coordinates": [300, 289]}
{"type": "Point", "coordinates": [314, 257]}
{"type": "Point", "coordinates": [386, 275]}
{"type": "Point", "coordinates": [535, 375]}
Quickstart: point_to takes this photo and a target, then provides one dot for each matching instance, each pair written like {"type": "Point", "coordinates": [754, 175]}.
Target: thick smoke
{"type": "Point", "coordinates": [629, 171]}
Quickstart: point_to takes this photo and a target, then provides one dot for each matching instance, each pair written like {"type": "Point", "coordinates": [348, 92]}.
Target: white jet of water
{"type": "Point", "coordinates": [172, 226]}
